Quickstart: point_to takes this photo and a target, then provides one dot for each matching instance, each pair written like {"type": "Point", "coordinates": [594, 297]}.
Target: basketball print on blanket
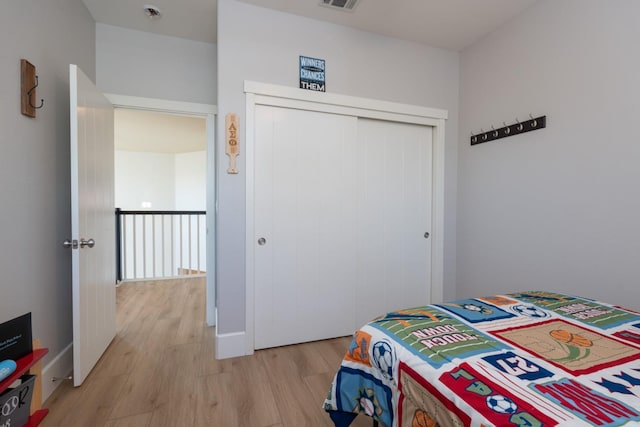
{"type": "Point", "coordinates": [570, 347]}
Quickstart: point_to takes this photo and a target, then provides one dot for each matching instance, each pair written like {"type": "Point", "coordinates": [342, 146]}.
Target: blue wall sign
{"type": "Point", "coordinates": [312, 74]}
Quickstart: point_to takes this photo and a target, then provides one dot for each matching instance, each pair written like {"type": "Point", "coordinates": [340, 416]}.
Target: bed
{"type": "Point", "coordinates": [524, 359]}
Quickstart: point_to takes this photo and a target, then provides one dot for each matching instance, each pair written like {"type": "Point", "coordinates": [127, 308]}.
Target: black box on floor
{"type": "Point", "coordinates": [15, 338]}
{"type": "Point", "coordinates": [15, 403]}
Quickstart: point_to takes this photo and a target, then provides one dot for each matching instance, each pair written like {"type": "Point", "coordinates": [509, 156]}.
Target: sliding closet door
{"type": "Point", "coordinates": [341, 208]}
{"type": "Point", "coordinates": [306, 225]}
{"type": "Point", "coordinates": [394, 207]}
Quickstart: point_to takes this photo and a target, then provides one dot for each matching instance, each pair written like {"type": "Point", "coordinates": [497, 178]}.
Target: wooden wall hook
{"type": "Point", "coordinates": [28, 85]}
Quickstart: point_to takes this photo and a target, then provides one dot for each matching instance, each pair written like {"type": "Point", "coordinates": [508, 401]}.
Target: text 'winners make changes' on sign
{"type": "Point", "coordinates": [312, 74]}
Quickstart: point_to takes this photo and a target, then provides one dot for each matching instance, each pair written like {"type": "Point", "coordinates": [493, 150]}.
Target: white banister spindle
{"type": "Point", "coordinates": [135, 247]}
{"type": "Point", "coordinates": [123, 244]}
{"type": "Point", "coordinates": [181, 242]}
{"type": "Point", "coordinates": [189, 217]}
{"type": "Point", "coordinates": [153, 245]}
{"type": "Point", "coordinates": [164, 271]}
{"type": "Point", "coordinates": [173, 245]}
{"type": "Point", "coordinates": [198, 240]}
{"type": "Point", "coordinates": [144, 246]}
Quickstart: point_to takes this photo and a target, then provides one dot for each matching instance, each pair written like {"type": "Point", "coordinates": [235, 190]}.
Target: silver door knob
{"type": "Point", "coordinates": [262, 241]}
{"type": "Point", "coordinates": [91, 243]}
{"type": "Point", "coordinates": [70, 244]}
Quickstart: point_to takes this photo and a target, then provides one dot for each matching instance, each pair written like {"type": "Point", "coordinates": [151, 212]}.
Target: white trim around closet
{"type": "Point", "coordinates": [288, 97]}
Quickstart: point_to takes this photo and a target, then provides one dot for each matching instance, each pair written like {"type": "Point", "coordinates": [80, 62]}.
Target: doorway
{"type": "Point", "coordinates": [160, 194]}
{"type": "Point", "coordinates": [207, 113]}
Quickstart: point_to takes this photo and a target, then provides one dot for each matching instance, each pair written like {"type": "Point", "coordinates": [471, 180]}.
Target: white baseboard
{"type": "Point", "coordinates": [60, 367]}
{"type": "Point", "coordinates": [230, 345]}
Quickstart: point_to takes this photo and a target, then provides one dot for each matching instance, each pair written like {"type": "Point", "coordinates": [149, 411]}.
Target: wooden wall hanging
{"type": "Point", "coordinates": [233, 148]}
{"type": "Point", "coordinates": [28, 85]}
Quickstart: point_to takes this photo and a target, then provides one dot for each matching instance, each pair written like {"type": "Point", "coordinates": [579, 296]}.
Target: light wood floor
{"type": "Point", "coordinates": [160, 370]}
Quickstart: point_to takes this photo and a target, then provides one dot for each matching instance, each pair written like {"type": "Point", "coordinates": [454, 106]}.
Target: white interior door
{"type": "Point", "coordinates": [342, 206]}
{"type": "Point", "coordinates": [92, 223]}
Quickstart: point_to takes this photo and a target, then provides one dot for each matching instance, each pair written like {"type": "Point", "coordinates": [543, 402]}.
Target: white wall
{"type": "Point", "coordinates": [34, 164]}
{"type": "Point", "coordinates": [557, 208]}
{"type": "Point", "coordinates": [264, 45]}
{"type": "Point", "coordinates": [190, 182]}
{"type": "Point", "coordinates": [144, 177]}
{"type": "Point", "coordinates": [135, 63]}
{"type": "Point", "coordinates": [169, 182]}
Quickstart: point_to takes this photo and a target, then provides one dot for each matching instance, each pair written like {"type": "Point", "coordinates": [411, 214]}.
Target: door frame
{"type": "Point", "coordinates": [208, 112]}
{"type": "Point", "coordinates": [257, 93]}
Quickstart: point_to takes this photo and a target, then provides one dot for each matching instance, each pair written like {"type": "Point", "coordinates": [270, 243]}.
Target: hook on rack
{"type": "Point", "coordinates": [520, 126]}
{"type": "Point", "coordinates": [30, 92]}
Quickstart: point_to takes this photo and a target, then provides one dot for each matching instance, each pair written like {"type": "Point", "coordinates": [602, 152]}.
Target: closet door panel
{"type": "Point", "coordinates": [305, 211]}
{"type": "Point", "coordinates": [394, 213]}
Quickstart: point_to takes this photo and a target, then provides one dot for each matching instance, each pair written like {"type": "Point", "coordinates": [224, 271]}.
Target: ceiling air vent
{"type": "Point", "coordinates": [346, 5]}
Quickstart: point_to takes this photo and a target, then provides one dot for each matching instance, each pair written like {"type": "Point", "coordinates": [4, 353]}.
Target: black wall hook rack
{"type": "Point", "coordinates": [510, 130]}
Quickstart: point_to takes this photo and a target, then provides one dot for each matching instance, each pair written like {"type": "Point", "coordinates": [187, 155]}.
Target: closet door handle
{"type": "Point", "coordinates": [91, 243]}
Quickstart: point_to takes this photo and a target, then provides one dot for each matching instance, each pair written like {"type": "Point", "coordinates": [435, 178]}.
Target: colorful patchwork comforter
{"type": "Point", "coordinates": [523, 359]}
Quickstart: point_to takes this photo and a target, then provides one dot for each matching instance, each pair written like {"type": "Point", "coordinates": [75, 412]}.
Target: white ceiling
{"type": "Point", "coordinates": [449, 24]}
{"type": "Point", "coordinates": [188, 19]}
{"type": "Point", "coordinates": [157, 132]}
